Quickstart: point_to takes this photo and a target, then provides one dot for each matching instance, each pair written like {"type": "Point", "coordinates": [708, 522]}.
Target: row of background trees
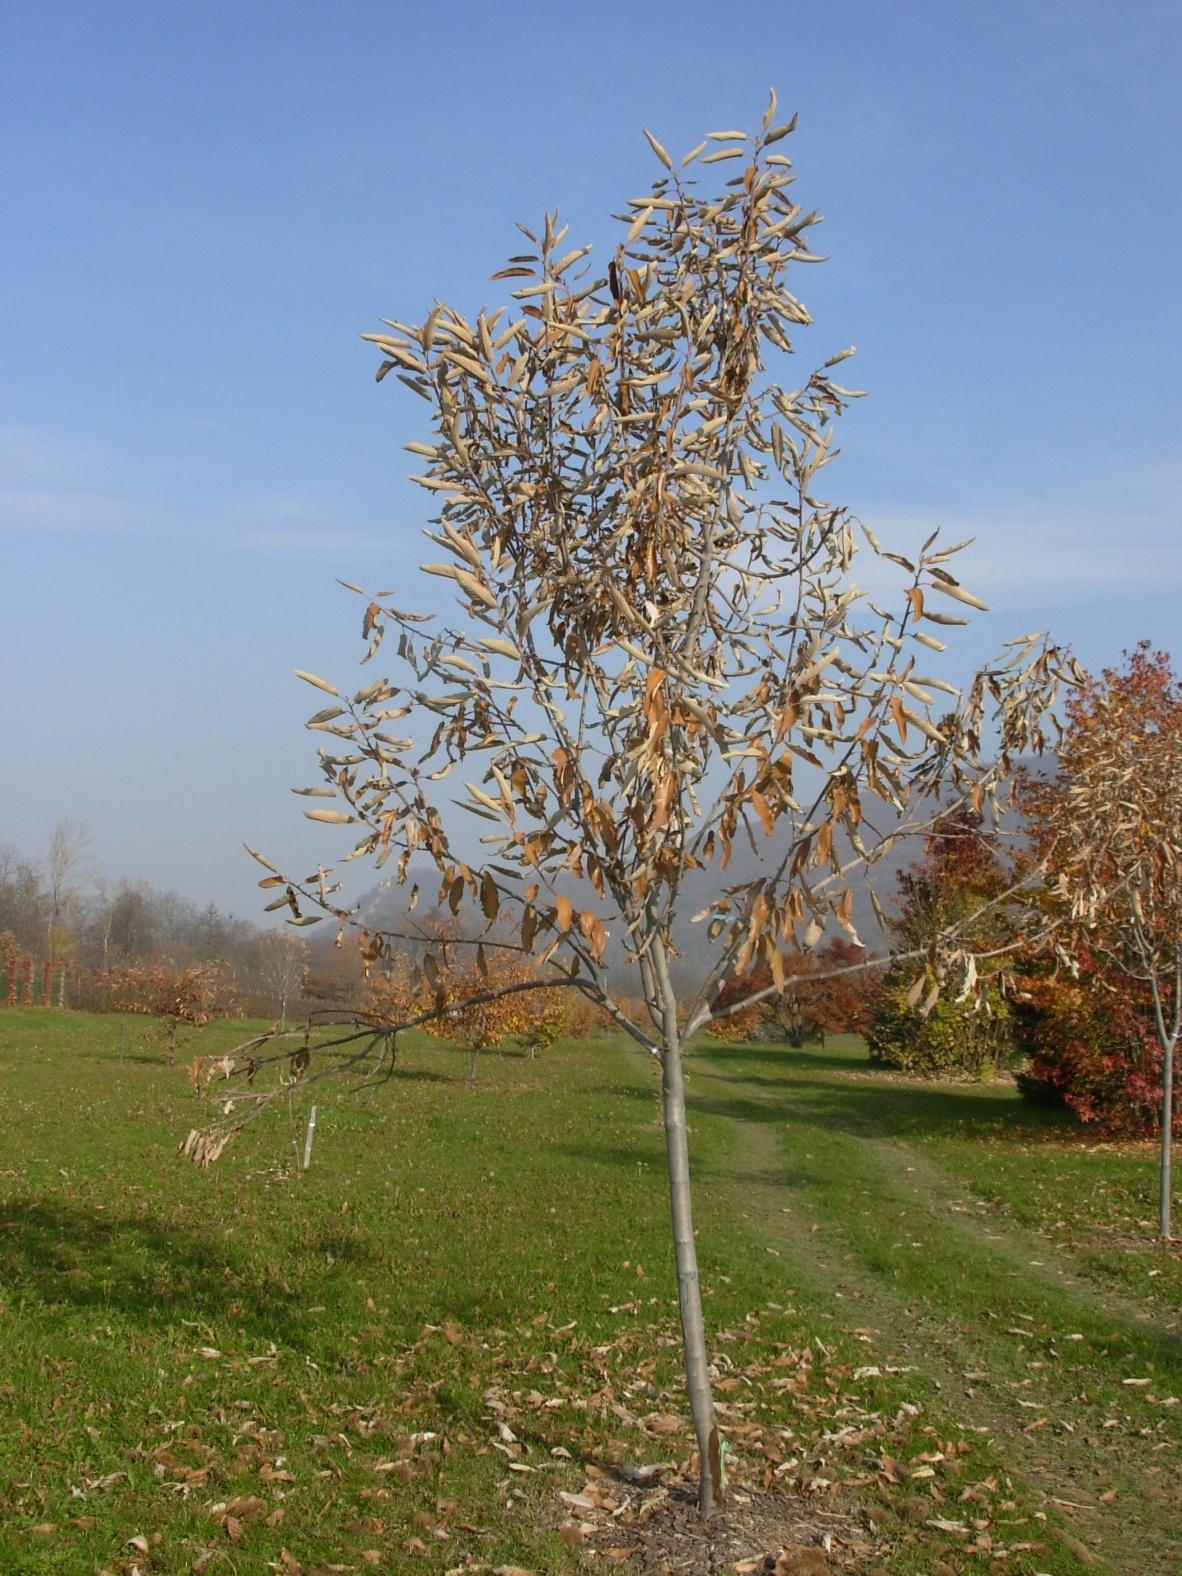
{"type": "Point", "coordinates": [59, 906]}
{"type": "Point", "coordinates": [70, 936]}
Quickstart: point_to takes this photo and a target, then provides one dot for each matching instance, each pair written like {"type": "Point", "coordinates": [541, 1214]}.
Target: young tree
{"type": "Point", "coordinates": [65, 864]}
{"type": "Point", "coordinates": [282, 968]}
{"type": "Point", "coordinates": [474, 1009]}
{"type": "Point", "coordinates": [550, 1020]}
{"type": "Point", "coordinates": [1110, 828]}
{"type": "Point", "coordinates": [662, 650]}
{"type": "Point", "coordinates": [178, 998]}
{"type": "Point", "coordinates": [960, 881]}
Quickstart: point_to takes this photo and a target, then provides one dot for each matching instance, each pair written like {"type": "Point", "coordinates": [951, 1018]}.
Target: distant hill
{"type": "Point", "coordinates": [385, 906]}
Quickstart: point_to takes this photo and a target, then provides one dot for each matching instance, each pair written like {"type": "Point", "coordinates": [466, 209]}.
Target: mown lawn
{"type": "Point", "coordinates": [1009, 1262]}
{"type": "Point", "coordinates": [929, 1303]}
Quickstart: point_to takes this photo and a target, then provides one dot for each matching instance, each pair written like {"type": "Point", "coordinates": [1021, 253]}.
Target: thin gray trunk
{"type": "Point", "coordinates": [711, 1482]}
{"type": "Point", "coordinates": [1167, 1097]}
{"type": "Point", "coordinates": [1169, 1039]}
{"type": "Point", "coordinates": [1167, 1139]}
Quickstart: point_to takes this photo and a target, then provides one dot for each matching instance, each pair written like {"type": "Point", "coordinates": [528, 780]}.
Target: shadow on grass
{"type": "Point", "coordinates": [156, 1272]}
{"type": "Point", "coordinates": [813, 1057]}
{"type": "Point", "coordinates": [883, 1106]}
{"type": "Point", "coordinates": [889, 1111]}
{"type": "Point", "coordinates": [880, 1108]}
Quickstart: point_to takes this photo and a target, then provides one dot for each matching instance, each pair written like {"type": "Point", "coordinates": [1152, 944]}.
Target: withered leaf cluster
{"type": "Point", "coordinates": [662, 650]}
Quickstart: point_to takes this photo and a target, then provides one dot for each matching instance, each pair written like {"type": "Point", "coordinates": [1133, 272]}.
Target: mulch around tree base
{"type": "Point", "coordinates": [658, 1529]}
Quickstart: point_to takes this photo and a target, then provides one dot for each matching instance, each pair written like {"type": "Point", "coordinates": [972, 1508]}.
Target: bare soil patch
{"type": "Point", "coordinates": [657, 1529]}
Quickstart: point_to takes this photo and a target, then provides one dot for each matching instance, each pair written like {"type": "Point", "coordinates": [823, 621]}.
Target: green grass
{"type": "Point", "coordinates": [1010, 1264]}
{"type": "Point", "coordinates": [462, 1261]}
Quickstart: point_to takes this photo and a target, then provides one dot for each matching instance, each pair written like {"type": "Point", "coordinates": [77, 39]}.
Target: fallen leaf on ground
{"type": "Point", "coordinates": [801, 1562]}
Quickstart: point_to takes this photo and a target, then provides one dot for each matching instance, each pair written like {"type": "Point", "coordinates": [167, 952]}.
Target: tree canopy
{"type": "Point", "coordinates": [1109, 829]}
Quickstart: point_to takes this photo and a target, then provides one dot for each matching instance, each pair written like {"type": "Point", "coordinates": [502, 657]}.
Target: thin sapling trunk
{"type": "Point", "coordinates": [711, 1486]}
{"type": "Point", "coordinates": [1168, 1037]}
{"type": "Point", "coordinates": [711, 1480]}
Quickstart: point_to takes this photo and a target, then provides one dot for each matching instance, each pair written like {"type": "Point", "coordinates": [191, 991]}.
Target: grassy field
{"type": "Point", "coordinates": [931, 1305]}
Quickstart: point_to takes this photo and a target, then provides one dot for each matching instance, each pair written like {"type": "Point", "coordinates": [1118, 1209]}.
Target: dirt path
{"type": "Point", "coordinates": [1002, 1381]}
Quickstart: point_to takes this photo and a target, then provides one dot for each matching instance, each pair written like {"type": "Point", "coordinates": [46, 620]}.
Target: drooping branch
{"type": "Point", "coordinates": [378, 1032]}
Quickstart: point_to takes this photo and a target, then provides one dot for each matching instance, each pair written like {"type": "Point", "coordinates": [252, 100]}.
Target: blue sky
{"type": "Point", "coordinates": [205, 204]}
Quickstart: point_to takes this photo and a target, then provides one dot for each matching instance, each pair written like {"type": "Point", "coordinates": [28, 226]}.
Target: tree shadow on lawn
{"type": "Point", "coordinates": [650, 1094]}
{"type": "Point", "coordinates": [814, 1057]}
{"type": "Point", "coordinates": [889, 1108]}
{"type": "Point", "coordinates": [398, 1074]}
{"type": "Point", "coordinates": [873, 1102]}
{"type": "Point", "coordinates": [869, 1109]}
{"type": "Point", "coordinates": [154, 1271]}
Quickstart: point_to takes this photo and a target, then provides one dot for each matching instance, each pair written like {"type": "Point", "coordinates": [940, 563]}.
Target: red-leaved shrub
{"type": "Point", "coordinates": [1093, 1045]}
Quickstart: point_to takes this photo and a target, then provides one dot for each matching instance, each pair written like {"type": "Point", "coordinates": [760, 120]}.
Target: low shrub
{"type": "Point", "coordinates": [976, 1038]}
{"type": "Point", "coordinates": [1092, 1044]}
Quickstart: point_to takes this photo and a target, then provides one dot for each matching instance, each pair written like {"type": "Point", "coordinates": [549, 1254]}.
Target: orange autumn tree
{"type": "Point", "coordinates": [1108, 828]}
{"type": "Point", "coordinates": [476, 1004]}
{"type": "Point", "coordinates": [830, 991]}
{"type": "Point", "coordinates": [178, 998]}
{"type": "Point", "coordinates": [477, 1012]}
{"type": "Point", "coordinates": [659, 651]}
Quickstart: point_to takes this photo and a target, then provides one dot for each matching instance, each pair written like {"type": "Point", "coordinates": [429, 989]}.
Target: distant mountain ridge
{"type": "Point", "coordinates": [384, 907]}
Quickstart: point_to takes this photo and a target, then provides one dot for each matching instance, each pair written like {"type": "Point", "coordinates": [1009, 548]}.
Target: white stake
{"type": "Point", "coordinates": [308, 1137]}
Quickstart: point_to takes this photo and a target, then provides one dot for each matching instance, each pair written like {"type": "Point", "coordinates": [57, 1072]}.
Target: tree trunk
{"type": "Point", "coordinates": [711, 1482]}
{"type": "Point", "coordinates": [1167, 1136]}
{"type": "Point", "coordinates": [1168, 1038]}
{"type": "Point", "coordinates": [711, 1478]}
{"type": "Point", "coordinates": [689, 1291]}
